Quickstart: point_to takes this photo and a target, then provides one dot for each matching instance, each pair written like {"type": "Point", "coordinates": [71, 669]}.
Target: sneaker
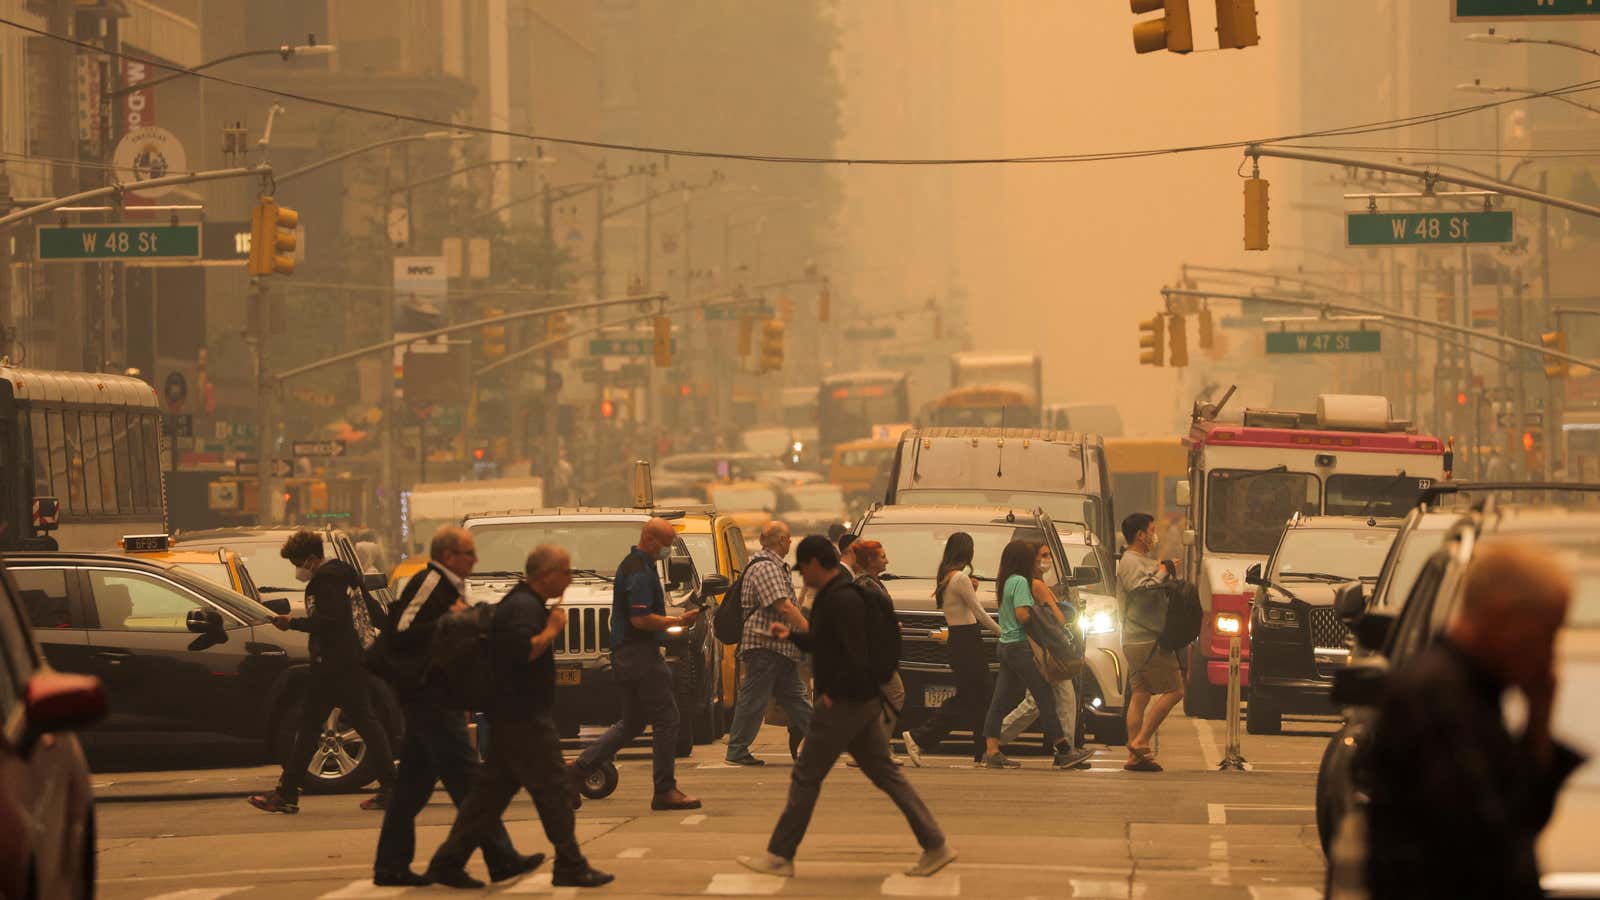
{"type": "Point", "coordinates": [768, 864]}
{"type": "Point", "coordinates": [588, 877]}
{"type": "Point", "coordinates": [400, 878]}
{"type": "Point", "coordinates": [932, 861]}
{"type": "Point", "coordinates": [377, 802]}
{"type": "Point", "coordinates": [1073, 759]}
{"type": "Point", "coordinates": [453, 878]}
{"type": "Point", "coordinates": [913, 751]}
{"type": "Point", "coordinates": [1000, 761]}
{"type": "Point", "coordinates": [745, 760]}
{"type": "Point", "coordinates": [273, 802]}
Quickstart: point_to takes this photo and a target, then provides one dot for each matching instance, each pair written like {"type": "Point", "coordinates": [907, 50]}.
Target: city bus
{"type": "Point", "coordinates": [1144, 478]}
{"type": "Point", "coordinates": [851, 405]}
{"type": "Point", "coordinates": [80, 460]}
{"type": "Point", "coordinates": [983, 406]}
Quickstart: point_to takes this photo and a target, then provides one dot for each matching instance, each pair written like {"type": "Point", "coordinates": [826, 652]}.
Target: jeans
{"type": "Point", "coordinates": [854, 726]}
{"type": "Point", "coordinates": [526, 755]}
{"type": "Point", "coordinates": [767, 674]}
{"type": "Point", "coordinates": [347, 689]}
{"type": "Point", "coordinates": [646, 686]}
{"type": "Point", "coordinates": [969, 665]}
{"type": "Point", "coordinates": [436, 749]}
{"type": "Point", "coordinates": [1019, 675]}
{"type": "Point", "coordinates": [1027, 712]}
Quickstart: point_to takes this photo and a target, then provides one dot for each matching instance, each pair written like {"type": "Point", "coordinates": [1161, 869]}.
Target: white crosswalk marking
{"type": "Point", "coordinates": [1100, 889]}
{"type": "Point", "coordinates": [634, 853]}
{"type": "Point", "coordinates": [363, 889]}
{"type": "Point", "coordinates": [539, 883]}
{"type": "Point", "coordinates": [695, 819]}
{"type": "Point", "coordinates": [898, 885]}
{"type": "Point", "coordinates": [200, 893]}
{"type": "Point", "coordinates": [1282, 892]}
{"type": "Point", "coordinates": [745, 885]}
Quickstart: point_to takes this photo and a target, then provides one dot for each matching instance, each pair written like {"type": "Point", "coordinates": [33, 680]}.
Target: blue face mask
{"type": "Point", "coordinates": [664, 554]}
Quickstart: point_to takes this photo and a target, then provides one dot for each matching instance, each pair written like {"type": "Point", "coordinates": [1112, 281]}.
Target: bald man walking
{"type": "Point", "coordinates": [639, 622]}
{"type": "Point", "coordinates": [1457, 800]}
{"type": "Point", "coordinates": [770, 667]}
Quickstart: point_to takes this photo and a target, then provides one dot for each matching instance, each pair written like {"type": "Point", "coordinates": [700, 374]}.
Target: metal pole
{"type": "Point", "coordinates": [110, 189]}
{"type": "Point", "coordinates": [1233, 758]}
{"type": "Point", "coordinates": [264, 416]}
{"type": "Point", "coordinates": [552, 396]}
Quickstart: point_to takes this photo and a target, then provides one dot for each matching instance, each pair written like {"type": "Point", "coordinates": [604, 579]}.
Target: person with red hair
{"type": "Point", "coordinates": [870, 561]}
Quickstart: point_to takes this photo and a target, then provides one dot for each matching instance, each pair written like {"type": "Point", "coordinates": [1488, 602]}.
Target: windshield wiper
{"type": "Point", "coordinates": [592, 574]}
{"type": "Point", "coordinates": [1315, 576]}
{"type": "Point", "coordinates": [495, 574]}
{"type": "Point", "coordinates": [1377, 495]}
{"type": "Point", "coordinates": [278, 590]}
{"type": "Point", "coordinates": [1278, 469]}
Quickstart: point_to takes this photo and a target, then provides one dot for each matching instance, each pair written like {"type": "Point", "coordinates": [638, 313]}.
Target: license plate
{"type": "Point", "coordinates": [569, 676]}
{"type": "Point", "coordinates": [935, 697]}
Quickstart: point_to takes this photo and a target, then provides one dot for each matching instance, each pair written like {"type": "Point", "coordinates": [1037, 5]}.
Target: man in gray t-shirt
{"type": "Point", "coordinates": [1156, 682]}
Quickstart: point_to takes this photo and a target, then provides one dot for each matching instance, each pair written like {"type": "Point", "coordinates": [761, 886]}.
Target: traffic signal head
{"type": "Point", "coordinates": [663, 342]}
{"type": "Point", "coordinates": [272, 238]}
{"type": "Point", "coordinates": [1255, 214]}
{"type": "Point", "coordinates": [556, 328]}
{"type": "Point", "coordinates": [771, 345]}
{"type": "Point", "coordinates": [1557, 341]}
{"type": "Point", "coordinates": [747, 327]}
{"type": "Point", "coordinates": [1177, 342]}
{"type": "Point", "coordinates": [1151, 335]}
{"type": "Point", "coordinates": [1236, 24]}
{"type": "Point", "coordinates": [1207, 336]}
{"type": "Point", "coordinates": [824, 303]}
{"type": "Point", "coordinates": [1169, 32]}
{"type": "Point", "coordinates": [494, 336]}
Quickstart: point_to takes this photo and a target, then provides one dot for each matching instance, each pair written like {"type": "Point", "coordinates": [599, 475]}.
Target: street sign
{"type": "Point", "coordinates": [729, 312]}
{"type": "Point", "coordinates": [882, 332]}
{"type": "Point", "coordinates": [1387, 229]}
{"type": "Point", "coordinates": [97, 242]}
{"type": "Point", "coordinates": [1324, 341]}
{"type": "Point", "coordinates": [281, 468]}
{"type": "Point", "coordinates": [902, 359]}
{"type": "Point", "coordinates": [1487, 10]}
{"type": "Point", "coordinates": [643, 346]}
{"type": "Point", "coordinates": [246, 467]}
{"type": "Point", "coordinates": [317, 448]}
{"type": "Point", "coordinates": [180, 426]}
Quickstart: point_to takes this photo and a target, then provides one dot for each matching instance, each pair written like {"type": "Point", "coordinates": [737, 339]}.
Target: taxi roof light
{"type": "Point", "coordinates": [146, 543]}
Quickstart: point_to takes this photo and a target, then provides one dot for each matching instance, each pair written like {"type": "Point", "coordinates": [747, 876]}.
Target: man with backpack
{"type": "Point", "coordinates": [855, 646]}
{"type": "Point", "coordinates": [526, 751]}
{"type": "Point", "coordinates": [1156, 682]}
{"type": "Point", "coordinates": [770, 667]}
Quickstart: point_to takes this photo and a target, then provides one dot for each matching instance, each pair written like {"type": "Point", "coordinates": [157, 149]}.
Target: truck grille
{"type": "Point", "coordinates": [917, 648]}
{"type": "Point", "coordinates": [1326, 629]}
{"type": "Point", "coordinates": [588, 633]}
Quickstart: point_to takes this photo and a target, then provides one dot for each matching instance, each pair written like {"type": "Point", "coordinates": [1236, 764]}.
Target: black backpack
{"type": "Point", "coordinates": [727, 623]}
{"type": "Point", "coordinates": [1184, 615]}
{"type": "Point", "coordinates": [883, 635]}
{"type": "Point", "coordinates": [459, 659]}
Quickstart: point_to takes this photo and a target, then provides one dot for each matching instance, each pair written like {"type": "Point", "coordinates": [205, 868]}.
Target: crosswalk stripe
{"type": "Point", "coordinates": [695, 819]}
{"type": "Point", "coordinates": [740, 884]}
{"type": "Point", "coordinates": [898, 885]}
{"type": "Point", "coordinates": [539, 883]}
{"type": "Point", "coordinates": [200, 893]}
{"type": "Point", "coordinates": [634, 853]}
{"type": "Point", "coordinates": [1099, 889]}
{"type": "Point", "coordinates": [363, 889]}
{"type": "Point", "coordinates": [1282, 892]}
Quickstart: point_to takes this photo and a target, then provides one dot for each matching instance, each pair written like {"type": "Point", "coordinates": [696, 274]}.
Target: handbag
{"type": "Point", "coordinates": [1051, 656]}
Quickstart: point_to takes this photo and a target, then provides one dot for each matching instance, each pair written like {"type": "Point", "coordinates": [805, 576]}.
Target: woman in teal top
{"type": "Point", "coordinates": [1021, 567]}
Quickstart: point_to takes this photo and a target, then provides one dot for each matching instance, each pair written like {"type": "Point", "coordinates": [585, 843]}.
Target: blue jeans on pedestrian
{"type": "Point", "coordinates": [767, 674]}
{"type": "Point", "coordinates": [436, 749]}
{"type": "Point", "coordinates": [1020, 675]}
{"type": "Point", "coordinates": [646, 686]}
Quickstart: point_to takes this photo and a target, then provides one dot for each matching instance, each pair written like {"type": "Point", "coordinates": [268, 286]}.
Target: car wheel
{"type": "Point", "coordinates": [1261, 718]}
{"type": "Point", "coordinates": [1201, 698]}
{"type": "Point", "coordinates": [339, 764]}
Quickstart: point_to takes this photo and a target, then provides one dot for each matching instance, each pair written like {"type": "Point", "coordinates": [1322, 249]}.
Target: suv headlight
{"type": "Point", "coordinates": [1099, 616]}
{"type": "Point", "coordinates": [1274, 616]}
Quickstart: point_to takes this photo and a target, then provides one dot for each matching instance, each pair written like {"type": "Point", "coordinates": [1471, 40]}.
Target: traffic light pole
{"type": "Point", "coordinates": [39, 209]}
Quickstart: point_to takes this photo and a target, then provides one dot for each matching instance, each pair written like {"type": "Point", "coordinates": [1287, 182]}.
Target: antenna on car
{"type": "Point", "coordinates": [1000, 459]}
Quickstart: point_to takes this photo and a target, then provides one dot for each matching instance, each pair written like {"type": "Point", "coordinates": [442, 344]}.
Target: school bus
{"type": "Point", "coordinates": [1144, 478]}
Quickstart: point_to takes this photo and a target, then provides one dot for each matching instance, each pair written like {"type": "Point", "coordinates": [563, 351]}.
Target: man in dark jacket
{"type": "Point", "coordinates": [1457, 801]}
{"type": "Point", "coordinates": [526, 751]}
{"type": "Point", "coordinates": [341, 624]}
{"type": "Point", "coordinates": [436, 745]}
{"type": "Point", "coordinates": [848, 705]}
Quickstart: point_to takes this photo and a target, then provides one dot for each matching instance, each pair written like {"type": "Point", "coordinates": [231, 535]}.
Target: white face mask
{"type": "Point", "coordinates": [302, 575]}
{"type": "Point", "coordinates": [664, 554]}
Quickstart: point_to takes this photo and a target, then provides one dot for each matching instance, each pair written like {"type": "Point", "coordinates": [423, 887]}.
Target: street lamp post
{"type": "Point", "coordinates": [286, 51]}
{"type": "Point", "coordinates": [1492, 37]}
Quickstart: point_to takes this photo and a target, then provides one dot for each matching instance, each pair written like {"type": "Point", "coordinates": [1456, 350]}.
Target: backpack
{"type": "Point", "coordinates": [1184, 615]}
{"type": "Point", "coordinates": [727, 623]}
{"type": "Point", "coordinates": [883, 636]}
{"type": "Point", "coordinates": [459, 660]}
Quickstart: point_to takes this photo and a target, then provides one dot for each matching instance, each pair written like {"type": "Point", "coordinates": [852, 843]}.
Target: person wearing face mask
{"type": "Point", "coordinates": [341, 624]}
{"type": "Point", "coordinates": [639, 622]}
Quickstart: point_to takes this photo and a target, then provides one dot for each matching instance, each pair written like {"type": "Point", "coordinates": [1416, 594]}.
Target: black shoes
{"type": "Point", "coordinates": [523, 866]}
{"type": "Point", "coordinates": [795, 740]}
{"type": "Point", "coordinates": [588, 877]}
{"type": "Point", "coordinates": [453, 878]}
{"type": "Point", "coordinates": [400, 878]}
{"type": "Point", "coordinates": [745, 760]}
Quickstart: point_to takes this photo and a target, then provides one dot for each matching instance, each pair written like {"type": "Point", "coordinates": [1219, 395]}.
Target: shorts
{"type": "Point", "coordinates": [1155, 671]}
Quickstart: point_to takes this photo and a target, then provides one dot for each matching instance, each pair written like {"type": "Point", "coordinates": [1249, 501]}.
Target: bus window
{"type": "Point", "coordinates": [123, 458]}
{"type": "Point", "coordinates": [152, 460]}
{"type": "Point", "coordinates": [106, 458]}
{"type": "Point", "coordinates": [41, 455]}
{"type": "Point", "coordinates": [59, 456]}
{"type": "Point", "coordinates": [135, 442]}
{"type": "Point", "coordinates": [1134, 492]}
{"type": "Point", "coordinates": [74, 453]}
{"type": "Point", "coordinates": [89, 457]}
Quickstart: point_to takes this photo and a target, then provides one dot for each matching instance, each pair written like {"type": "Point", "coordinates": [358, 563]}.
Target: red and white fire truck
{"type": "Point", "coordinates": [1247, 478]}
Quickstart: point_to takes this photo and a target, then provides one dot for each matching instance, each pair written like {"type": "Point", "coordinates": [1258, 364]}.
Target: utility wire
{"type": "Point", "coordinates": [1101, 156]}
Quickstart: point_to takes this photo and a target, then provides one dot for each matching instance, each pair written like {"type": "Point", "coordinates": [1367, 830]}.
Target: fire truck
{"type": "Point", "coordinates": [1247, 478]}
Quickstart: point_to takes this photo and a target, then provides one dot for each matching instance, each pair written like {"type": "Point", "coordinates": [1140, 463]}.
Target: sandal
{"type": "Point", "coordinates": [1144, 760]}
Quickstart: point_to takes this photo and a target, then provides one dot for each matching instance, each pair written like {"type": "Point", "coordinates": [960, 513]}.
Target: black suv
{"type": "Point", "coordinates": [181, 658]}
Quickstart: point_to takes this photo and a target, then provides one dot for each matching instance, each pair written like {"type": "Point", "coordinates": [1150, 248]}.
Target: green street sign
{"type": "Point", "coordinates": [1324, 341]}
{"type": "Point", "coordinates": [879, 333]}
{"type": "Point", "coordinates": [1390, 229]}
{"type": "Point", "coordinates": [1484, 10]}
{"type": "Point", "coordinates": [625, 346]}
{"type": "Point", "coordinates": [98, 242]}
{"type": "Point", "coordinates": [729, 312]}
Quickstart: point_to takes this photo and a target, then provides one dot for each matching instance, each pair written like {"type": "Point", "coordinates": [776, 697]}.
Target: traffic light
{"type": "Point", "coordinates": [747, 327]}
{"type": "Point", "coordinates": [494, 336]}
{"type": "Point", "coordinates": [1170, 32]}
{"type": "Point", "coordinates": [1255, 214]}
{"type": "Point", "coordinates": [556, 328]}
{"type": "Point", "coordinates": [607, 408]}
{"type": "Point", "coordinates": [663, 342]}
{"type": "Point", "coordinates": [272, 240]}
{"type": "Point", "coordinates": [1557, 341]}
{"type": "Point", "coordinates": [1207, 336]}
{"type": "Point", "coordinates": [771, 345]}
{"type": "Point", "coordinates": [1177, 343]}
{"type": "Point", "coordinates": [1151, 335]}
{"type": "Point", "coordinates": [1236, 24]}
{"type": "Point", "coordinates": [824, 303]}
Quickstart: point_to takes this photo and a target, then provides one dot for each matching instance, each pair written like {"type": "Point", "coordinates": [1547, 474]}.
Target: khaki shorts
{"type": "Point", "coordinates": [1155, 671]}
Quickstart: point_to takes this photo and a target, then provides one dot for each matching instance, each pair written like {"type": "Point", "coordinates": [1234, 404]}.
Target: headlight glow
{"type": "Point", "coordinates": [1097, 622]}
{"type": "Point", "coordinates": [1228, 623]}
{"type": "Point", "coordinates": [675, 629]}
{"type": "Point", "coordinates": [798, 446]}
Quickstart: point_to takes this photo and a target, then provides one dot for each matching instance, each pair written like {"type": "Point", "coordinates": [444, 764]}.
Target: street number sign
{"type": "Point", "coordinates": [1389, 229]}
{"type": "Point", "coordinates": [1324, 341]}
{"type": "Point", "coordinates": [317, 448]}
{"type": "Point", "coordinates": [84, 243]}
{"type": "Point", "coordinates": [1487, 10]}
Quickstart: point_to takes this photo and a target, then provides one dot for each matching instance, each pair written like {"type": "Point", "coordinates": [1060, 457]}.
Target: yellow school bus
{"type": "Point", "coordinates": [1144, 478]}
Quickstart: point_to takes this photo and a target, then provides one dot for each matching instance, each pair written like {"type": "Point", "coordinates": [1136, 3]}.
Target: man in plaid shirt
{"type": "Point", "coordinates": [771, 667]}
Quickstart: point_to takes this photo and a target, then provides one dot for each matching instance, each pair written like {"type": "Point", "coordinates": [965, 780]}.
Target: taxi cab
{"type": "Point", "coordinates": [857, 464]}
{"type": "Point", "coordinates": [717, 544]}
{"type": "Point", "coordinates": [402, 572]}
{"type": "Point", "coordinates": [221, 567]}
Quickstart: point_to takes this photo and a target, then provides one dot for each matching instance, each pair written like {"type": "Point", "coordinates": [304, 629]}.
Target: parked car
{"type": "Point", "coordinates": [1297, 641]}
{"type": "Point", "coordinates": [221, 567]}
{"type": "Point", "coordinates": [717, 545]}
{"type": "Point", "coordinates": [47, 834]}
{"type": "Point", "coordinates": [273, 575]}
{"type": "Point", "coordinates": [182, 659]}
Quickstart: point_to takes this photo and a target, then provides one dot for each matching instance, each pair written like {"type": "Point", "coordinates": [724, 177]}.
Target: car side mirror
{"type": "Point", "coordinates": [1372, 630]}
{"type": "Point", "coordinates": [1183, 493]}
{"type": "Point", "coordinates": [1084, 576]}
{"type": "Point", "coordinates": [1252, 575]}
{"type": "Point", "coordinates": [203, 621]}
{"type": "Point", "coordinates": [1359, 685]}
{"type": "Point", "coordinates": [1350, 602]}
{"type": "Point", "coordinates": [714, 585]}
{"type": "Point", "coordinates": [279, 605]}
{"type": "Point", "coordinates": [680, 571]}
{"type": "Point", "coordinates": [56, 701]}
{"type": "Point", "coordinates": [375, 581]}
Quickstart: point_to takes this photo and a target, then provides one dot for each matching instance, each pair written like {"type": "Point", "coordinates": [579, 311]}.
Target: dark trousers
{"type": "Point", "coordinates": [436, 749]}
{"type": "Point", "coordinates": [767, 675]}
{"type": "Point", "coordinates": [525, 755]}
{"type": "Point", "coordinates": [348, 690]}
{"type": "Point", "coordinates": [854, 726]}
{"type": "Point", "coordinates": [1018, 675]}
{"type": "Point", "coordinates": [646, 686]}
{"type": "Point", "coordinates": [970, 705]}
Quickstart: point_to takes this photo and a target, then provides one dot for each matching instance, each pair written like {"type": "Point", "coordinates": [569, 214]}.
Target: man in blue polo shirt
{"type": "Point", "coordinates": [639, 622]}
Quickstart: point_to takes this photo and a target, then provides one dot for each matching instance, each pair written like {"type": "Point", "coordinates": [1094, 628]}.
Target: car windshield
{"type": "Point", "coordinates": [865, 458]}
{"type": "Point", "coordinates": [1350, 554]}
{"type": "Point", "coordinates": [768, 441]}
{"type": "Point", "coordinates": [216, 573]}
{"type": "Point", "coordinates": [1060, 507]}
{"type": "Point", "coordinates": [703, 550]}
{"type": "Point", "coordinates": [1419, 546]}
{"type": "Point", "coordinates": [601, 546]}
{"type": "Point", "coordinates": [267, 567]}
{"type": "Point", "coordinates": [744, 498]}
{"type": "Point", "coordinates": [914, 550]}
{"type": "Point", "coordinates": [823, 498]}
{"type": "Point", "coordinates": [1248, 509]}
{"type": "Point", "coordinates": [1373, 495]}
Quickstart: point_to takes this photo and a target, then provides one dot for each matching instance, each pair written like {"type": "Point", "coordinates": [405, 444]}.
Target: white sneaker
{"type": "Point", "coordinates": [768, 864]}
{"type": "Point", "coordinates": [912, 750]}
{"type": "Point", "coordinates": [932, 861]}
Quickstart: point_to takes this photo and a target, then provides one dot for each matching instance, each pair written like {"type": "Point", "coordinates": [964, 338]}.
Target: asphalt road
{"type": "Point", "coordinates": [1191, 832]}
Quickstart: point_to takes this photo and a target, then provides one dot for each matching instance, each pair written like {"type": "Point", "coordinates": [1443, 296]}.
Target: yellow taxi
{"type": "Point", "coordinates": [717, 544]}
{"type": "Point", "coordinates": [856, 464]}
{"type": "Point", "coordinates": [220, 567]}
{"type": "Point", "coordinates": [402, 572]}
